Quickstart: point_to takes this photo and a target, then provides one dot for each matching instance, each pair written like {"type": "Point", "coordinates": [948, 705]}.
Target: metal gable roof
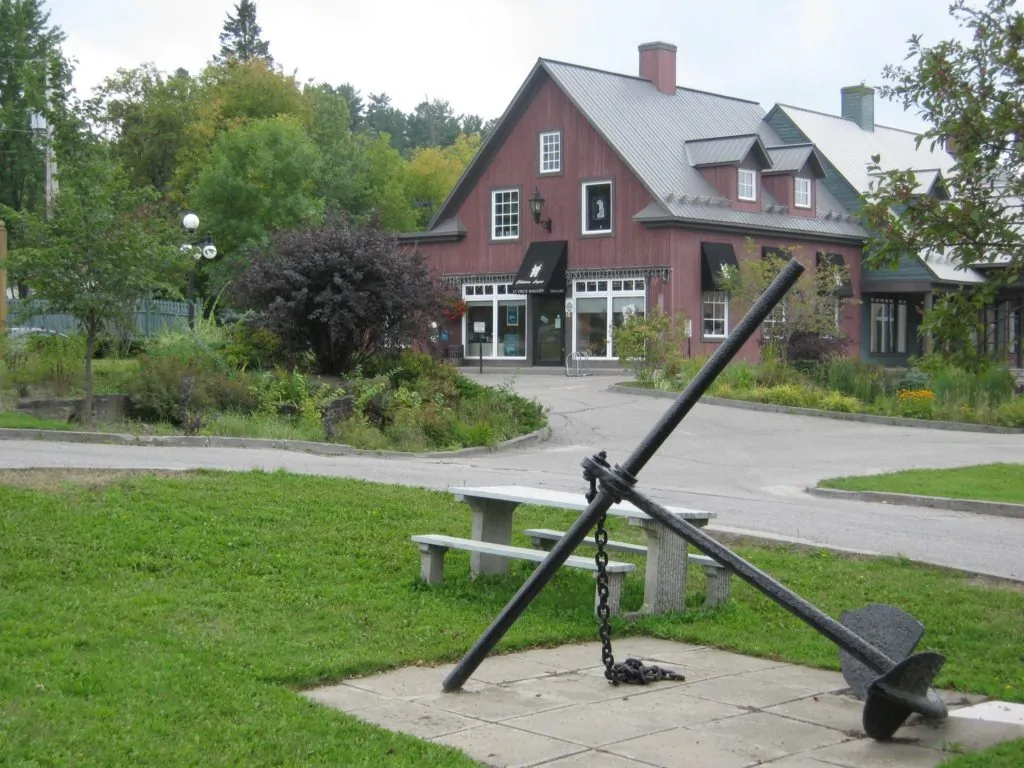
{"type": "Point", "coordinates": [790, 158]}
{"type": "Point", "coordinates": [650, 132]}
{"type": "Point", "coordinates": [725, 150]}
{"type": "Point", "coordinates": [850, 148]}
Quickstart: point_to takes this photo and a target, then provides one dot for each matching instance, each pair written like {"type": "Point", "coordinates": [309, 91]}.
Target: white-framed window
{"type": "Point", "coordinates": [888, 327]}
{"type": "Point", "coordinates": [601, 306]}
{"type": "Point", "coordinates": [774, 325]}
{"type": "Point", "coordinates": [551, 152]}
{"type": "Point", "coordinates": [802, 193]}
{"type": "Point", "coordinates": [746, 184]}
{"type": "Point", "coordinates": [505, 214]}
{"type": "Point", "coordinates": [502, 316]}
{"type": "Point", "coordinates": [715, 315]}
{"type": "Point", "coordinates": [596, 207]}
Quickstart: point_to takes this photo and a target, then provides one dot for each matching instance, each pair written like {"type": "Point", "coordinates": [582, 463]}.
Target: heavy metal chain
{"type": "Point", "coordinates": [631, 671]}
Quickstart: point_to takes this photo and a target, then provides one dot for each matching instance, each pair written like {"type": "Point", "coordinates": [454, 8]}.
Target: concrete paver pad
{"type": "Point", "coordinates": [552, 707]}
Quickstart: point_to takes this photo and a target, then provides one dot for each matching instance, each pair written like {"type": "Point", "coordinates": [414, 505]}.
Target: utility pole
{"type": "Point", "coordinates": [3, 279]}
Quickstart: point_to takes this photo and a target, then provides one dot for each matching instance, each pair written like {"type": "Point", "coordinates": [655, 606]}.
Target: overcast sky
{"type": "Point", "coordinates": [476, 53]}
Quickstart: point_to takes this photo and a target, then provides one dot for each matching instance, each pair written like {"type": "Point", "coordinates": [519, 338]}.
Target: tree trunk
{"type": "Point", "coordinates": [87, 408]}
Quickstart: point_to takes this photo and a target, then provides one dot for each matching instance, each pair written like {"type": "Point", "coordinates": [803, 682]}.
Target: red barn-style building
{"type": "Point", "coordinates": [601, 195]}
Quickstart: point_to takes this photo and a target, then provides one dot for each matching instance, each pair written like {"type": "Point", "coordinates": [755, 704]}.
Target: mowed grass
{"type": "Point", "coordinates": [984, 482]}
{"type": "Point", "coordinates": [26, 421]}
{"type": "Point", "coordinates": [169, 620]}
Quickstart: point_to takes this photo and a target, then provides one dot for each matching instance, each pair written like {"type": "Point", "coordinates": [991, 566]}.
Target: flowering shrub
{"type": "Point", "coordinates": [916, 403]}
{"type": "Point", "coordinates": [453, 310]}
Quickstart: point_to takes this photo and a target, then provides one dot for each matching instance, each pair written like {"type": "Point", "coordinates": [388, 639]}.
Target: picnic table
{"type": "Point", "coordinates": [667, 554]}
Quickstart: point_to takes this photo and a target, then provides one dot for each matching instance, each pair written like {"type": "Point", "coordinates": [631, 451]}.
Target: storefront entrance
{"type": "Point", "coordinates": [548, 321]}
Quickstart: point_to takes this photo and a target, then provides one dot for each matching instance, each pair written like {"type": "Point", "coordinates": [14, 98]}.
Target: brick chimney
{"type": "Point", "coordinates": [658, 64]}
{"type": "Point", "coordinates": [858, 102]}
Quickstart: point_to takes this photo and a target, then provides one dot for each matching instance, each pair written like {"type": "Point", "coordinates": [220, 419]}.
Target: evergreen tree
{"type": "Point", "coordinates": [34, 82]}
{"type": "Point", "coordinates": [240, 40]}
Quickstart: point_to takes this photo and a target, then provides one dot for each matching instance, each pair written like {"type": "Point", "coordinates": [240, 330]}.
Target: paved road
{"type": "Point", "coordinates": [748, 467]}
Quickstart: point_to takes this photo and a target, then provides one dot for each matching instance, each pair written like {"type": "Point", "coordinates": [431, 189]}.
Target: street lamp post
{"type": "Point", "coordinates": [200, 249]}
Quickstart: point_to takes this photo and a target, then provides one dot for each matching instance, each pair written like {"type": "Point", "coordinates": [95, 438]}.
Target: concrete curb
{"type": "Point", "coordinates": [998, 508]}
{"type": "Point", "coordinates": [866, 418]}
{"type": "Point", "coordinates": [301, 446]}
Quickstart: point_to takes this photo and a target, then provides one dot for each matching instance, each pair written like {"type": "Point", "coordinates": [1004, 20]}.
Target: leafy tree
{"type": "Point", "coordinates": [260, 178]}
{"type": "Point", "coordinates": [240, 40]}
{"type": "Point", "coordinates": [432, 124]}
{"type": "Point", "coordinates": [34, 81]}
{"type": "Point", "coordinates": [805, 324]}
{"type": "Point", "coordinates": [489, 127]}
{"type": "Point", "coordinates": [382, 118]}
{"type": "Point", "coordinates": [387, 180]}
{"type": "Point", "coordinates": [652, 343]}
{"type": "Point", "coordinates": [433, 171]}
{"type": "Point", "coordinates": [971, 94]}
{"type": "Point", "coordinates": [343, 181]}
{"type": "Point", "coordinates": [356, 107]}
{"type": "Point", "coordinates": [471, 124]}
{"type": "Point", "coordinates": [340, 291]}
{"type": "Point", "coordinates": [145, 115]}
{"type": "Point", "coordinates": [228, 96]}
{"type": "Point", "coordinates": [99, 253]}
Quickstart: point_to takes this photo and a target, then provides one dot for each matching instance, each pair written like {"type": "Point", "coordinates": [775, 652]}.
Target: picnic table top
{"type": "Point", "coordinates": [565, 500]}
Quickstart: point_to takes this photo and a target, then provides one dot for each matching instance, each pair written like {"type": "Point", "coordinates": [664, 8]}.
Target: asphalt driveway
{"type": "Point", "coordinates": [749, 467]}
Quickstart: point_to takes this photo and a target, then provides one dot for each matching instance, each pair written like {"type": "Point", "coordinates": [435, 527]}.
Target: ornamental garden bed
{"type": "Point", "coordinates": [213, 381]}
{"type": "Point", "coordinates": [933, 390]}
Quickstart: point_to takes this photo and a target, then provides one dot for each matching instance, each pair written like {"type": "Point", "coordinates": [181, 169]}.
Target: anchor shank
{"type": "Point", "coordinates": [643, 452]}
{"type": "Point", "coordinates": [792, 602]}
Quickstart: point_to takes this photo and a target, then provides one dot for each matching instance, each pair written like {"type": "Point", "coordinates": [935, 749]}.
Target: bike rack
{"type": "Point", "coordinates": [578, 364]}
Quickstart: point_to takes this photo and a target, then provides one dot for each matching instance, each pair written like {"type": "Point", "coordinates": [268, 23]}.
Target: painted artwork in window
{"type": "Point", "coordinates": [551, 152]}
{"type": "Point", "coordinates": [597, 207]}
{"type": "Point", "coordinates": [747, 181]}
{"type": "Point", "coordinates": [505, 214]}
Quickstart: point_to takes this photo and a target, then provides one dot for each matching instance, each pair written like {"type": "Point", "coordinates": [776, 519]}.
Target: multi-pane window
{"type": "Point", "coordinates": [747, 181]}
{"type": "Point", "coordinates": [888, 327]}
{"type": "Point", "coordinates": [774, 326]}
{"type": "Point", "coordinates": [716, 314]}
{"type": "Point", "coordinates": [599, 301]}
{"type": "Point", "coordinates": [505, 214]}
{"type": "Point", "coordinates": [501, 316]}
{"type": "Point", "coordinates": [597, 207]}
{"type": "Point", "coordinates": [802, 193]}
{"type": "Point", "coordinates": [551, 152]}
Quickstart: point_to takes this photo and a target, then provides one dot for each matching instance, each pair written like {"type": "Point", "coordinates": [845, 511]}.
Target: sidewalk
{"type": "Point", "coordinates": [553, 707]}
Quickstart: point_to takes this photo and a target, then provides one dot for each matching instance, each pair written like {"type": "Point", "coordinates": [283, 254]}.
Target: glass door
{"type": "Point", "coordinates": [549, 330]}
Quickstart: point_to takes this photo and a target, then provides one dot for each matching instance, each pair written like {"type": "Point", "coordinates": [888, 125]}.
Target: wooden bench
{"type": "Point", "coordinates": [718, 576]}
{"type": "Point", "coordinates": [433, 548]}
{"type": "Point", "coordinates": [666, 562]}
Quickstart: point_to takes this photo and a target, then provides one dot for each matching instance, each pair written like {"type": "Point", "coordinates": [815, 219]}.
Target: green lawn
{"type": "Point", "coordinates": [12, 420]}
{"type": "Point", "coordinates": [168, 620]}
{"type": "Point", "coordinates": [985, 482]}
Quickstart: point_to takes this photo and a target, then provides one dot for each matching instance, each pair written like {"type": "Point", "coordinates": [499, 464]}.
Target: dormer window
{"type": "Point", "coordinates": [802, 193]}
{"type": "Point", "coordinates": [747, 184]}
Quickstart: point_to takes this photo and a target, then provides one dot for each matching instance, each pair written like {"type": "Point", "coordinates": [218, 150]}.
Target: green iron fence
{"type": "Point", "coordinates": [151, 317]}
